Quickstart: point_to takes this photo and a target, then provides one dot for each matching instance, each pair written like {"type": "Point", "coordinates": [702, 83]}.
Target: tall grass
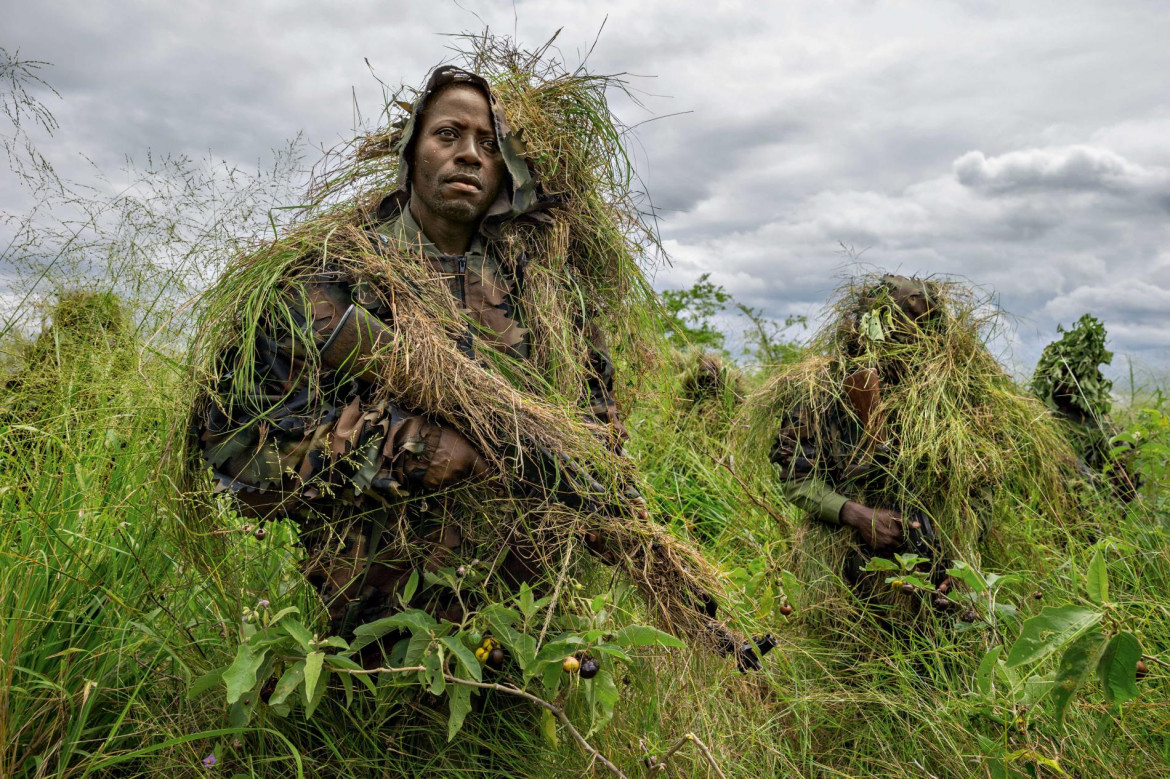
{"type": "Point", "coordinates": [109, 611]}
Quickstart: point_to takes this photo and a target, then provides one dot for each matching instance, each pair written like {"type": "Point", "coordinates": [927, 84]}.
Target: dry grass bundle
{"type": "Point", "coordinates": [583, 265]}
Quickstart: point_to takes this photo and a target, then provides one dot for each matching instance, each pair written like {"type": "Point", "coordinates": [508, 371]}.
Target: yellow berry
{"type": "Point", "coordinates": [570, 665]}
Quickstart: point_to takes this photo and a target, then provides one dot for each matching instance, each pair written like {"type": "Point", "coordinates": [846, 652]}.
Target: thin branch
{"type": "Point", "coordinates": [752, 496]}
{"type": "Point", "coordinates": [552, 604]}
{"type": "Point", "coordinates": [508, 689]}
{"type": "Point", "coordinates": [659, 763]}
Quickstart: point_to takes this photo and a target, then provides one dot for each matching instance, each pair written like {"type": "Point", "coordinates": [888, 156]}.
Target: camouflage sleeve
{"type": "Point", "coordinates": [602, 404]}
{"type": "Point", "coordinates": [278, 433]}
{"type": "Point", "coordinates": [801, 467]}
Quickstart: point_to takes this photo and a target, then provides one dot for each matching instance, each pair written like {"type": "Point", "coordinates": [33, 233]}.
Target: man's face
{"type": "Point", "coordinates": [457, 169]}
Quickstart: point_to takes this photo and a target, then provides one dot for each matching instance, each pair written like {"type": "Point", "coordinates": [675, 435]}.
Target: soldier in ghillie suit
{"type": "Point", "coordinates": [901, 433]}
{"type": "Point", "coordinates": [420, 379]}
{"type": "Point", "coordinates": [1068, 379]}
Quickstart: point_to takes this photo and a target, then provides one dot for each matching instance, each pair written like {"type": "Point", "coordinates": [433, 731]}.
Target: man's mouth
{"type": "Point", "coordinates": [463, 181]}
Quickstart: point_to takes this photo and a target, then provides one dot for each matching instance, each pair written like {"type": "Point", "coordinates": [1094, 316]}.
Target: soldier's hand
{"type": "Point", "coordinates": [879, 528]}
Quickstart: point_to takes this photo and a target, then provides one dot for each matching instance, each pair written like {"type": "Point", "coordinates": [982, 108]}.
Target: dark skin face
{"type": "Point", "coordinates": [457, 170]}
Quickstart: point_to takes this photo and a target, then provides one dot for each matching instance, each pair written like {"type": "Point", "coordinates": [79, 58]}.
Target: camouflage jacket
{"type": "Point", "coordinates": [817, 454]}
{"type": "Point", "coordinates": [332, 436]}
{"type": "Point", "coordinates": [294, 444]}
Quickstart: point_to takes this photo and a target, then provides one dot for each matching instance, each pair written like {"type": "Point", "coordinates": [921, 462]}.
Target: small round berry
{"type": "Point", "coordinates": [589, 668]}
{"type": "Point", "coordinates": [495, 658]}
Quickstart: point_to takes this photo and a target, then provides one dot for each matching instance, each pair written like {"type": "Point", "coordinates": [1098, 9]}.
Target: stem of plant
{"type": "Point", "coordinates": [509, 690]}
{"type": "Point", "coordinates": [660, 762]}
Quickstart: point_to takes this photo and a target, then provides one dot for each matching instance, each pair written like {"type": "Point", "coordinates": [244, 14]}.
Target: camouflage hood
{"type": "Point", "coordinates": [519, 195]}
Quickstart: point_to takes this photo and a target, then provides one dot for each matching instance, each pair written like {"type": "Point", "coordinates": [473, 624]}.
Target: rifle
{"type": "Point", "coordinates": [571, 484]}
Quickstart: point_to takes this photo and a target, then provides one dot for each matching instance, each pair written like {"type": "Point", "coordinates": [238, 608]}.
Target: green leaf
{"type": "Point", "coordinates": [558, 648]}
{"type": "Point", "coordinates": [289, 681]}
{"type": "Point", "coordinates": [767, 602]}
{"type": "Point", "coordinates": [1077, 663]}
{"type": "Point", "coordinates": [871, 327]}
{"type": "Point", "coordinates": [286, 611]}
{"type": "Point", "coordinates": [792, 586]}
{"type": "Point", "coordinates": [1035, 688]}
{"type": "Point", "coordinates": [968, 576]}
{"type": "Point", "coordinates": [298, 631]}
{"type": "Point", "coordinates": [347, 684]}
{"type": "Point", "coordinates": [644, 635]}
{"type": "Point", "coordinates": [414, 620]}
{"type": "Point", "coordinates": [465, 655]}
{"type": "Point", "coordinates": [240, 676]}
{"type": "Point", "coordinates": [880, 564]}
{"type": "Point", "coordinates": [205, 683]}
{"type": "Point", "coordinates": [552, 677]}
{"type": "Point", "coordinates": [240, 713]}
{"type": "Point", "coordinates": [498, 614]}
{"type": "Point", "coordinates": [548, 727]}
{"type": "Point", "coordinates": [614, 651]}
{"type": "Point", "coordinates": [315, 700]}
{"type": "Point", "coordinates": [524, 650]}
{"type": "Point", "coordinates": [525, 601]}
{"type": "Point", "coordinates": [1049, 631]}
{"type": "Point", "coordinates": [416, 648]}
{"type": "Point", "coordinates": [1118, 668]}
{"type": "Point", "coordinates": [910, 561]}
{"type": "Point", "coordinates": [459, 702]}
{"type": "Point", "coordinates": [1097, 580]}
{"type": "Point", "coordinates": [410, 588]}
{"type": "Point", "coordinates": [313, 663]}
{"type": "Point", "coordinates": [603, 692]}
{"type": "Point", "coordinates": [985, 676]}
{"type": "Point", "coordinates": [417, 622]}
{"type": "Point", "coordinates": [433, 675]}
{"type": "Point", "coordinates": [337, 661]}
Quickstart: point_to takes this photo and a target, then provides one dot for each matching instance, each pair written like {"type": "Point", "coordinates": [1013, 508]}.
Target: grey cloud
{"type": "Point", "coordinates": [1126, 300]}
{"type": "Point", "coordinates": [1085, 168]}
{"type": "Point", "coordinates": [809, 124]}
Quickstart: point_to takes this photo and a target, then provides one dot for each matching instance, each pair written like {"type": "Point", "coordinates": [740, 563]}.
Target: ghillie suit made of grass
{"type": "Point", "coordinates": [707, 381]}
{"type": "Point", "coordinates": [77, 326]}
{"type": "Point", "coordinates": [1068, 379]}
{"type": "Point", "coordinates": [491, 362]}
{"type": "Point", "coordinates": [948, 433]}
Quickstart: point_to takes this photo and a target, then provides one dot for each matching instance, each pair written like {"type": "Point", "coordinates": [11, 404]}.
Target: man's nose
{"type": "Point", "coordinates": [468, 152]}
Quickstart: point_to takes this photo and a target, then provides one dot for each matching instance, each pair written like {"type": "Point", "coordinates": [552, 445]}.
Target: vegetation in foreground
{"type": "Point", "coordinates": [119, 621]}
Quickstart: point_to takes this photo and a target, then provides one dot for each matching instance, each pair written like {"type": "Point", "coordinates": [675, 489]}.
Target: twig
{"type": "Point", "coordinates": [510, 690]}
{"type": "Point", "coordinates": [751, 495]}
{"type": "Point", "coordinates": [1156, 659]}
{"type": "Point", "coordinates": [659, 763]}
{"type": "Point", "coordinates": [552, 604]}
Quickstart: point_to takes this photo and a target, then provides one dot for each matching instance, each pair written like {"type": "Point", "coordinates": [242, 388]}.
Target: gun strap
{"type": "Point", "coordinates": [378, 526]}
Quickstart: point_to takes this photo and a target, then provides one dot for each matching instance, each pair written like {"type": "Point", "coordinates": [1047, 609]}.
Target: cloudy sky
{"type": "Point", "coordinates": [1020, 144]}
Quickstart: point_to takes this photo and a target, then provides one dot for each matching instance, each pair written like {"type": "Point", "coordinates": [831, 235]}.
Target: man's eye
{"type": "Point", "coordinates": [491, 145]}
{"type": "Point", "coordinates": [447, 132]}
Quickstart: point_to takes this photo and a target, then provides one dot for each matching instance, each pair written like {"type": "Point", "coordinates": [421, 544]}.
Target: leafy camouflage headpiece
{"type": "Point", "coordinates": [892, 309]}
{"type": "Point", "coordinates": [913, 296]}
{"type": "Point", "coordinates": [1068, 377]}
{"type": "Point", "coordinates": [517, 198]}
